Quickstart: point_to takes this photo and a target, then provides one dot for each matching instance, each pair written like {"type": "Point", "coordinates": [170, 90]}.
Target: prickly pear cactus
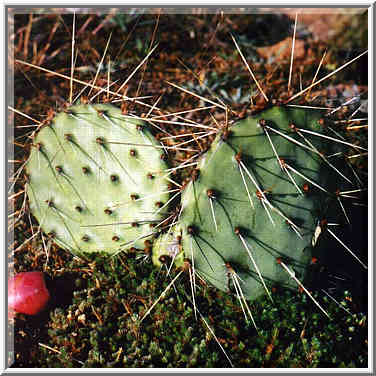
{"type": "Point", "coordinates": [95, 180]}
{"type": "Point", "coordinates": [262, 195]}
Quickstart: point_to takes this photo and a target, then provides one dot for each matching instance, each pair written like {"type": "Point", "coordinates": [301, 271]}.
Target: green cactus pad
{"type": "Point", "coordinates": [92, 183]}
{"type": "Point", "coordinates": [227, 226]}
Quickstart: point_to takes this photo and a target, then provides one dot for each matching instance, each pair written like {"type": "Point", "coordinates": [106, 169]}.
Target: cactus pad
{"type": "Point", "coordinates": [94, 179]}
{"type": "Point", "coordinates": [257, 198]}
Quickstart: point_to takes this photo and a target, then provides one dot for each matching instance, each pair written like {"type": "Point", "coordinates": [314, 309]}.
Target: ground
{"type": "Point", "coordinates": [196, 52]}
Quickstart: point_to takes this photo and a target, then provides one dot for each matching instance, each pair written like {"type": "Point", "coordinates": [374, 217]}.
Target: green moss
{"type": "Point", "coordinates": [291, 332]}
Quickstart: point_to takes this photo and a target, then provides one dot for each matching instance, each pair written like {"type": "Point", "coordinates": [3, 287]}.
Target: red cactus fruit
{"type": "Point", "coordinates": [27, 293]}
